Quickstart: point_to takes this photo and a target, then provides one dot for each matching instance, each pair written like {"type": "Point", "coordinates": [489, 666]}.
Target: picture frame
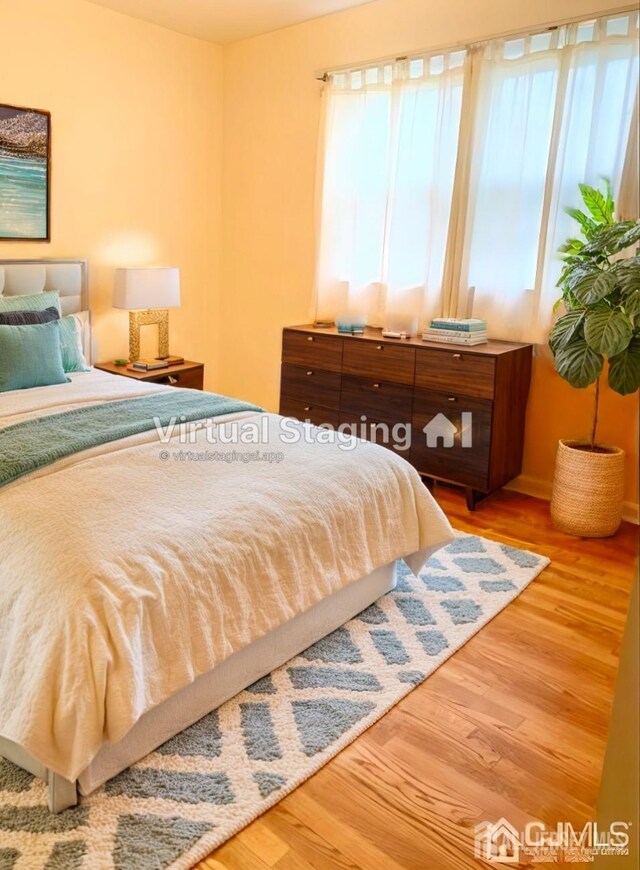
{"type": "Point", "coordinates": [25, 174]}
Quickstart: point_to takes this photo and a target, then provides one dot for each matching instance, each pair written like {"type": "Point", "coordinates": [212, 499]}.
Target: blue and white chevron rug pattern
{"type": "Point", "coordinates": [198, 789]}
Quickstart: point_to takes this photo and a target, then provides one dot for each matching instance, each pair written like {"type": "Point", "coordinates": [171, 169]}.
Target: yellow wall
{"type": "Point", "coordinates": [271, 110]}
{"type": "Point", "coordinates": [137, 152]}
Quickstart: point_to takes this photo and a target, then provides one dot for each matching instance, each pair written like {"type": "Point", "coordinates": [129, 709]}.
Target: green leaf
{"type": "Point", "coordinates": [587, 225]}
{"type": "Point", "coordinates": [610, 206]}
{"type": "Point", "coordinates": [631, 304]}
{"type": "Point", "coordinates": [593, 286]}
{"type": "Point", "coordinates": [574, 273]}
{"type": "Point", "coordinates": [630, 237]}
{"type": "Point", "coordinates": [608, 331]}
{"type": "Point", "coordinates": [627, 274]}
{"type": "Point", "coordinates": [596, 204]}
{"type": "Point", "coordinates": [624, 369]}
{"type": "Point", "coordinates": [565, 276]}
{"type": "Point", "coordinates": [578, 364]}
{"type": "Point", "coordinates": [571, 246]}
{"type": "Point", "coordinates": [566, 328]}
{"type": "Point", "coordinates": [611, 239]}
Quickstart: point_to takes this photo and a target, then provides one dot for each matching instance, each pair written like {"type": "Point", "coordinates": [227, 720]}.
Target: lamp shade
{"type": "Point", "coordinates": [137, 289]}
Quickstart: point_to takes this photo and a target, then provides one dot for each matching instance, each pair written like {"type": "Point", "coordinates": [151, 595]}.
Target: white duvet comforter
{"type": "Point", "coordinates": [125, 574]}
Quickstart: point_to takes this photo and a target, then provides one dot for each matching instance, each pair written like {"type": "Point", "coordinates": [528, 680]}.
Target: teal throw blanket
{"type": "Point", "coordinates": [31, 445]}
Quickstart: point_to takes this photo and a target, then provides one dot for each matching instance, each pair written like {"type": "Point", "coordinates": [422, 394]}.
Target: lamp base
{"type": "Point", "coordinates": [152, 316]}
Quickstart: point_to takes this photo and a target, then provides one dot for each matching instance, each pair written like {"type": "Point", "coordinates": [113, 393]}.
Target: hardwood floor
{"type": "Point", "coordinates": [514, 724]}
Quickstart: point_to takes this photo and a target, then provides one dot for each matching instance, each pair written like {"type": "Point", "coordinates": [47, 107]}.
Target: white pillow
{"type": "Point", "coordinates": [83, 335]}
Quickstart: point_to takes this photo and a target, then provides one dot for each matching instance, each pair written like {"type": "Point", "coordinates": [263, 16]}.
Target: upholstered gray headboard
{"type": "Point", "coordinates": [68, 277]}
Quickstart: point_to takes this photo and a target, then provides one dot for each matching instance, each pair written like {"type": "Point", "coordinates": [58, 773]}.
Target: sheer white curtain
{"type": "Point", "coordinates": [453, 170]}
{"type": "Point", "coordinates": [553, 109]}
{"type": "Point", "coordinates": [390, 145]}
{"type": "Point", "coordinates": [596, 134]}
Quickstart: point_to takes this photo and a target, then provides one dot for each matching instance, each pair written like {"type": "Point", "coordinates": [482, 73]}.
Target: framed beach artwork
{"type": "Point", "coordinates": [25, 168]}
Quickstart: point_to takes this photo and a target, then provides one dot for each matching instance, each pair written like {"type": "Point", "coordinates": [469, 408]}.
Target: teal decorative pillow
{"type": "Point", "coordinates": [30, 356]}
{"type": "Point", "coordinates": [71, 345]}
{"type": "Point", "coordinates": [37, 302]}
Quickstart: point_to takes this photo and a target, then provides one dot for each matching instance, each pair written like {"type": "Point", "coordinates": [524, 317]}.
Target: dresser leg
{"type": "Point", "coordinates": [474, 497]}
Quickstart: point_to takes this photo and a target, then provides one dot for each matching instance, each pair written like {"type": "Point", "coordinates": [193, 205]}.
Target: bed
{"type": "Point", "coordinates": [141, 588]}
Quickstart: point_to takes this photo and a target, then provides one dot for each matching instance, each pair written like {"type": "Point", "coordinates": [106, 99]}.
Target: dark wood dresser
{"type": "Point", "coordinates": [466, 406]}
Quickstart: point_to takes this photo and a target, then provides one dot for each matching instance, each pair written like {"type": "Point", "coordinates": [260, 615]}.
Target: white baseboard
{"type": "Point", "coordinates": [542, 489]}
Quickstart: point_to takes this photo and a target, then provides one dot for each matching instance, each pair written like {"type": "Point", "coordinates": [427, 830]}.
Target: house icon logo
{"type": "Point", "coordinates": [497, 843]}
{"type": "Point", "coordinates": [441, 429]}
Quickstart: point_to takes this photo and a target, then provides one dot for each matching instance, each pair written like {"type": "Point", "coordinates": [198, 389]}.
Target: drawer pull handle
{"type": "Point", "coordinates": [457, 356]}
{"type": "Point", "coordinates": [308, 408]}
{"type": "Point", "coordinates": [380, 347]}
{"type": "Point", "coordinates": [376, 386]}
{"type": "Point", "coordinates": [309, 372]}
{"type": "Point", "coordinates": [452, 399]}
{"type": "Point", "coordinates": [309, 338]}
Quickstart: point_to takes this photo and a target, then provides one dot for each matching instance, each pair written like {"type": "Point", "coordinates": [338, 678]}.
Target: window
{"type": "Point", "coordinates": [452, 171]}
{"type": "Point", "coordinates": [390, 156]}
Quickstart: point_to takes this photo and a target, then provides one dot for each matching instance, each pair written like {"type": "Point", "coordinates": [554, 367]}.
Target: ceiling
{"type": "Point", "coordinates": [225, 21]}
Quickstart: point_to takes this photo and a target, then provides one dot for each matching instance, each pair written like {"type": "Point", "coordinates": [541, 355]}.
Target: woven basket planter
{"type": "Point", "coordinates": [588, 489]}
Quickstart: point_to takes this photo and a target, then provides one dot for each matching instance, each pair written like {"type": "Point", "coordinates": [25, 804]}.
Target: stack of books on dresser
{"type": "Point", "coordinates": [453, 330]}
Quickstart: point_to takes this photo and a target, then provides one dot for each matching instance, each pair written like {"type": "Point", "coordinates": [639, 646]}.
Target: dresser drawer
{"type": "Point", "coordinates": [376, 399]}
{"type": "Point", "coordinates": [383, 362]}
{"type": "Point", "coordinates": [315, 351]}
{"type": "Point", "coordinates": [461, 373]}
{"type": "Point", "coordinates": [457, 443]}
{"type": "Point", "coordinates": [312, 386]}
{"type": "Point", "coordinates": [380, 433]}
{"type": "Point", "coordinates": [316, 414]}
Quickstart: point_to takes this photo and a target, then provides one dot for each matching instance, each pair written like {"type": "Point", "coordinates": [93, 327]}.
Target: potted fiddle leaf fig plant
{"type": "Point", "coordinates": [600, 285]}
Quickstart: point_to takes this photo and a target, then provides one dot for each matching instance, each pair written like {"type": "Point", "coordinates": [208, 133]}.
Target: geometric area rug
{"type": "Point", "coordinates": [177, 804]}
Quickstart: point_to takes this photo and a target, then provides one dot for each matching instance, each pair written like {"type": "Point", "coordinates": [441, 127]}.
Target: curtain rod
{"type": "Point", "coordinates": [323, 75]}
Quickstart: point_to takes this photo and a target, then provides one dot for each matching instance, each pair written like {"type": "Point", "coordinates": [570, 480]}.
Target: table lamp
{"type": "Point", "coordinates": [147, 294]}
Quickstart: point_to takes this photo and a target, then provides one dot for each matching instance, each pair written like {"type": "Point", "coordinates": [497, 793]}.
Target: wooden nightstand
{"type": "Point", "coordinates": [189, 374]}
